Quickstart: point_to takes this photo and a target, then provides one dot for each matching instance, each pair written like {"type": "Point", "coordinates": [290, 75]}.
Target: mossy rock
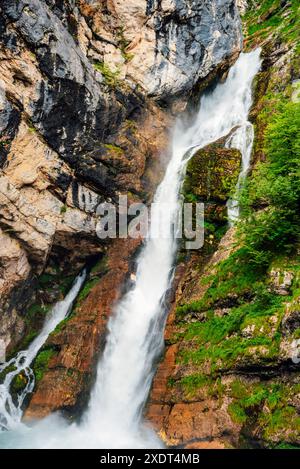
{"type": "Point", "coordinates": [19, 382]}
{"type": "Point", "coordinates": [7, 370]}
{"type": "Point", "coordinates": [41, 362]}
{"type": "Point", "coordinates": [212, 173]}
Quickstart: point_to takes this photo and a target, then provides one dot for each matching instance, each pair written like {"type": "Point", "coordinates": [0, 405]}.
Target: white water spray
{"type": "Point", "coordinates": [241, 139]}
{"type": "Point", "coordinates": [135, 339]}
{"type": "Point", "coordinates": [10, 411]}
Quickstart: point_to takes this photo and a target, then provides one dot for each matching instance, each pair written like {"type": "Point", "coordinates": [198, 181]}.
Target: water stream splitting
{"type": "Point", "coordinates": [10, 409]}
{"type": "Point", "coordinates": [135, 331]}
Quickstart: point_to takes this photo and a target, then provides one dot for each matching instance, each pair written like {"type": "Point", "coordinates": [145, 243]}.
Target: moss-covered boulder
{"type": "Point", "coordinates": [212, 173]}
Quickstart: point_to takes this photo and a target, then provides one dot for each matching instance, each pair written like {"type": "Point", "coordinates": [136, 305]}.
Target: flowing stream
{"type": "Point", "coordinates": [10, 411]}
{"type": "Point", "coordinates": [241, 139]}
{"type": "Point", "coordinates": [135, 339]}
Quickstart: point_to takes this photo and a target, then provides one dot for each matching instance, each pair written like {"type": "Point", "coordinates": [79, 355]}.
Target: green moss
{"type": "Point", "coordinates": [7, 370]}
{"type": "Point", "coordinates": [28, 339]}
{"type": "Point", "coordinates": [41, 362]}
{"type": "Point", "coordinates": [211, 174]}
{"type": "Point", "coordinates": [48, 282]}
{"type": "Point", "coordinates": [31, 127]}
{"type": "Point", "coordinates": [238, 389]}
{"type": "Point", "coordinates": [63, 209]}
{"type": "Point", "coordinates": [86, 289]}
{"type": "Point", "coordinates": [171, 382]}
{"type": "Point", "coordinates": [237, 413]}
{"type": "Point", "coordinates": [101, 267]}
{"type": "Point", "coordinates": [36, 311]}
{"type": "Point", "coordinates": [111, 78]}
{"type": "Point", "coordinates": [280, 419]}
{"type": "Point", "coordinates": [286, 446]}
{"type": "Point", "coordinates": [123, 43]}
{"type": "Point", "coordinates": [272, 19]}
{"type": "Point", "coordinates": [65, 284]}
{"type": "Point", "coordinates": [114, 149]}
{"type": "Point", "coordinates": [19, 382]}
{"type": "Point", "coordinates": [296, 333]}
{"type": "Point", "coordinates": [267, 405]}
{"type": "Point", "coordinates": [193, 382]}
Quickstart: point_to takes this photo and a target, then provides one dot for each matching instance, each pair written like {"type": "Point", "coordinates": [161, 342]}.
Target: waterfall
{"type": "Point", "coordinates": [241, 139]}
{"type": "Point", "coordinates": [135, 331]}
{"type": "Point", "coordinates": [10, 411]}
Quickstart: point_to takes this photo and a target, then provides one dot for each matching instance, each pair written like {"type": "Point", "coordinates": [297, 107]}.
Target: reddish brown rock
{"type": "Point", "coordinates": [67, 380]}
{"type": "Point", "coordinates": [198, 420]}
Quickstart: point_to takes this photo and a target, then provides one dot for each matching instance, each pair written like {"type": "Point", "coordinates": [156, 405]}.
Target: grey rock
{"type": "Point", "coordinates": [191, 40]}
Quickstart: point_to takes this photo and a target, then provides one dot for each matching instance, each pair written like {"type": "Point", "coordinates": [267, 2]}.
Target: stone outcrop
{"type": "Point", "coordinates": [154, 43]}
{"type": "Point", "coordinates": [14, 272]}
{"type": "Point", "coordinates": [75, 344]}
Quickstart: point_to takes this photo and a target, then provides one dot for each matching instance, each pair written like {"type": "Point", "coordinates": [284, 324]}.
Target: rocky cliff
{"type": "Point", "coordinates": [88, 90]}
{"type": "Point", "coordinates": [230, 373]}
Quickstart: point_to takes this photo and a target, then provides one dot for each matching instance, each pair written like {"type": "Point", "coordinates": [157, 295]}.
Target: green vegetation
{"type": "Point", "coordinates": [123, 43]}
{"type": "Point", "coordinates": [4, 142]}
{"type": "Point", "coordinates": [100, 268]}
{"type": "Point", "coordinates": [48, 282]}
{"type": "Point", "coordinates": [86, 289]}
{"type": "Point", "coordinates": [41, 362]}
{"type": "Point", "coordinates": [31, 127]}
{"type": "Point", "coordinates": [272, 16]}
{"type": "Point", "coordinates": [54, 285]}
{"type": "Point", "coordinates": [63, 209]}
{"type": "Point", "coordinates": [271, 197]}
{"type": "Point", "coordinates": [19, 382]}
{"type": "Point", "coordinates": [117, 151]}
{"type": "Point", "coordinates": [111, 78]}
{"type": "Point", "coordinates": [7, 370]}
{"type": "Point", "coordinates": [36, 312]}
{"type": "Point", "coordinates": [248, 328]}
{"type": "Point", "coordinates": [250, 399]}
{"type": "Point", "coordinates": [286, 446]}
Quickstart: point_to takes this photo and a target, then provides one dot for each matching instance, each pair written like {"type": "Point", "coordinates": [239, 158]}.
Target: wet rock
{"type": "Point", "coordinates": [79, 340]}
{"type": "Point", "coordinates": [212, 173]}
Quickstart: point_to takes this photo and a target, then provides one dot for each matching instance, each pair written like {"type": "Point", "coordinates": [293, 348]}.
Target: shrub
{"type": "Point", "coordinates": [271, 198]}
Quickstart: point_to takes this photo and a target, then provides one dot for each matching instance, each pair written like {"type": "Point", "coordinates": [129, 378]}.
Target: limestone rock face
{"type": "Point", "coordinates": [77, 127]}
{"type": "Point", "coordinates": [165, 46]}
{"type": "Point", "coordinates": [193, 36]}
{"type": "Point", "coordinates": [14, 271]}
{"type": "Point", "coordinates": [242, 5]}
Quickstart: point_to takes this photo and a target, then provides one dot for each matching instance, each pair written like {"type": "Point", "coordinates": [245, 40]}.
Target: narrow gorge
{"type": "Point", "coordinates": [140, 342]}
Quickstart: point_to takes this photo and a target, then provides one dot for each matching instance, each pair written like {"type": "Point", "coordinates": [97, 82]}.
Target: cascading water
{"type": "Point", "coordinates": [242, 139]}
{"type": "Point", "coordinates": [114, 416]}
{"type": "Point", "coordinates": [10, 411]}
